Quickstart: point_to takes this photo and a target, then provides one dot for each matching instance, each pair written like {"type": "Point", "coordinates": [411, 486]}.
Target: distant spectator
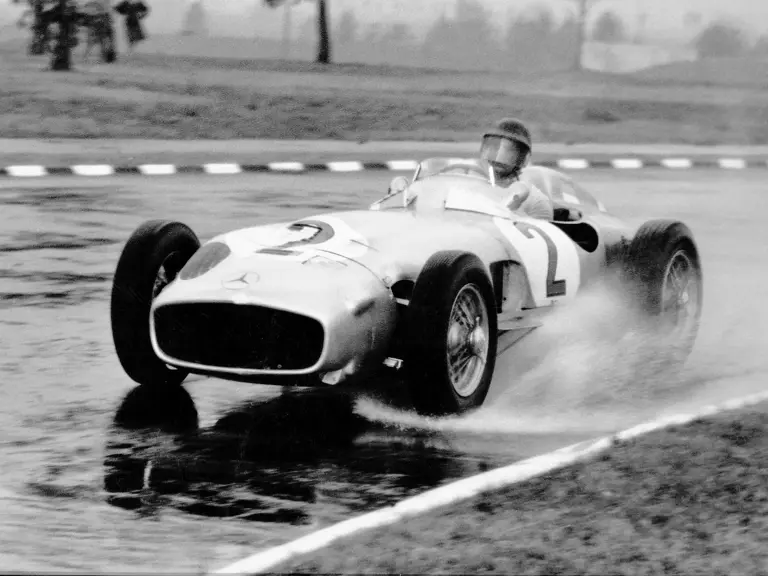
{"type": "Point", "coordinates": [49, 14]}
{"type": "Point", "coordinates": [134, 12]}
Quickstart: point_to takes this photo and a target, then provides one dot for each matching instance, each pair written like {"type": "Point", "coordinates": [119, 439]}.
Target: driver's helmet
{"type": "Point", "coordinates": [507, 147]}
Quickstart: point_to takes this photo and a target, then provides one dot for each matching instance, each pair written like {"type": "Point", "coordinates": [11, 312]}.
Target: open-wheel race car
{"type": "Point", "coordinates": [432, 283]}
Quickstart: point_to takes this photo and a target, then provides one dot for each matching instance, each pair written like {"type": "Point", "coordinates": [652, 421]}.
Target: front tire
{"type": "Point", "coordinates": [663, 272]}
{"type": "Point", "coordinates": [151, 259]}
{"type": "Point", "coordinates": [452, 332]}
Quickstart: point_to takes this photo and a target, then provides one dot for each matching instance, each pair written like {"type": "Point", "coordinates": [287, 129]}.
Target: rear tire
{"type": "Point", "coordinates": [663, 272]}
{"type": "Point", "coordinates": [451, 335]}
{"type": "Point", "coordinates": [151, 259]}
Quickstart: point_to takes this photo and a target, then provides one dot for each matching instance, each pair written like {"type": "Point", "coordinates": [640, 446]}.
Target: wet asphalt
{"type": "Point", "coordinates": [97, 474]}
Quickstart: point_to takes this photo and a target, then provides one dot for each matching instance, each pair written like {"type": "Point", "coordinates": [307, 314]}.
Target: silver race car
{"type": "Point", "coordinates": [432, 283]}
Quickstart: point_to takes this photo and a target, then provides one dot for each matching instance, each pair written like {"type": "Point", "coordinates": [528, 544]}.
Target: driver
{"type": "Point", "coordinates": [507, 147]}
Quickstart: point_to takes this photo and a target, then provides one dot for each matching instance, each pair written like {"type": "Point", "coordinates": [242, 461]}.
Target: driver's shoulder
{"type": "Point", "coordinates": [516, 187]}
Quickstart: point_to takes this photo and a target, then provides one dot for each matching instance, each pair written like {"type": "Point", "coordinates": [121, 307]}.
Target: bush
{"type": "Point", "coordinates": [609, 29]}
{"type": "Point", "coordinates": [600, 115]}
{"type": "Point", "coordinates": [760, 49]}
{"type": "Point", "coordinates": [721, 40]}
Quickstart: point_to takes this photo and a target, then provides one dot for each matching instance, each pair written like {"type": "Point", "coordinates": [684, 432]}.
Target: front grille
{"type": "Point", "coordinates": [238, 336]}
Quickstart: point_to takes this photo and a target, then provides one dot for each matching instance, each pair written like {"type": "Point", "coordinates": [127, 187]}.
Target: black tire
{"type": "Point", "coordinates": [657, 246]}
{"type": "Point", "coordinates": [154, 244]}
{"type": "Point", "coordinates": [428, 322]}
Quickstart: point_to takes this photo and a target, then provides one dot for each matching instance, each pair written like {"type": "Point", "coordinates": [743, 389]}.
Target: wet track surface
{"type": "Point", "coordinates": [99, 475]}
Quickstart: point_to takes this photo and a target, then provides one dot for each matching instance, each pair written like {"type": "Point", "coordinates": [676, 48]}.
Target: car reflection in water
{"type": "Point", "coordinates": [299, 458]}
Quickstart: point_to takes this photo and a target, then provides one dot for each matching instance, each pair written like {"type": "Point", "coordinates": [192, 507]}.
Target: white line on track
{"type": "Point", "coordinates": [627, 163]}
{"type": "Point", "coordinates": [157, 169]}
{"type": "Point", "coordinates": [402, 164]}
{"type": "Point", "coordinates": [732, 163]}
{"type": "Point", "coordinates": [93, 170]}
{"type": "Point", "coordinates": [345, 166]}
{"type": "Point", "coordinates": [573, 164]}
{"type": "Point", "coordinates": [222, 168]}
{"type": "Point", "coordinates": [468, 488]}
{"type": "Point", "coordinates": [676, 163]}
{"type": "Point", "coordinates": [29, 171]}
{"type": "Point", "coordinates": [286, 166]}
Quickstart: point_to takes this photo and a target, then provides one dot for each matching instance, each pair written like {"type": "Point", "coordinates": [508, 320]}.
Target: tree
{"type": "Point", "coordinates": [397, 34]}
{"type": "Point", "coordinates": [583, 9]}
{"type": "Point", "coordinates": [692, 20]}
{"type": "Point", "coordinates": [324, 37]}
{"type": "Point", "coordinates": [608, 29]}
{"type": "Point", "coordinates": [562, 44]}
{"type": "Point", "coordinates": [195, 22]}
{"type": "Point", "coordinates": [392, 43]}
{"type": "Point", "coordinates": [63, 14]}
{"type": "Point", "coordinates": [529, 40]}
{"type": "Point", "coordinates": [324, 42]}
{"type": "Point", "coordinates": [721, 40]}
{"type": "Point", "coordinates": [468, 40]}
{"type": "Point", "coordinates": [69, 15]}
{"type": "Point", "coordinates": [760, 49]}
{"type": "Point", "coordinates": [95, 17]}
{"type": "Point", "coordinates": [62, 53]}
{"type": "Point", "coordinates": [37, 43]}
{"type": "Point", "coordinates": [474, 35]}
{"type": "Point", "coordinates": [437, 41]}
{"type": "Point", "coordinates": [346, 29]}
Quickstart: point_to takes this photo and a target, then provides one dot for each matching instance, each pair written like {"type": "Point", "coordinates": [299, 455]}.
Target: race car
{"type": "Point", "coordinates": [430, 283]}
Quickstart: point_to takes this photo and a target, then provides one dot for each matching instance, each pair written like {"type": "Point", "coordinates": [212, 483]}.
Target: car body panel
{"type": "Point", "coordinates": [341, 268]}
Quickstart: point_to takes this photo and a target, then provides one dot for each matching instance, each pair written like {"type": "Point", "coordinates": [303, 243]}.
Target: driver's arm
{"type": "Point", "coordinates": [519, 194]}
{"type": "Point", "coordinates": [538, 204]}
{"type": "Point", "coordinates": [530, 200]}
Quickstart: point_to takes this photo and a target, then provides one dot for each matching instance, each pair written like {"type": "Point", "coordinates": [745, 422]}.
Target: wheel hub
{"type": "Point", "coordinates": [477, 340]}
{"type": "Point", "coordinates": [467, 341]}
{"type": "Point", "coordinates": [679, 303]}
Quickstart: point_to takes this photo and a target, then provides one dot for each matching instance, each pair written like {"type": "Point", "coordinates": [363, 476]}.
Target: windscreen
{"type": "Point", "coordinates": [460, 166]}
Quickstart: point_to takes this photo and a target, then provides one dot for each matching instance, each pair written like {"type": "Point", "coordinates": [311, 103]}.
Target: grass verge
{"type": "Point", "coordinates": [166, 96]}
{"type": "Point", "coordinates": [689, 500]}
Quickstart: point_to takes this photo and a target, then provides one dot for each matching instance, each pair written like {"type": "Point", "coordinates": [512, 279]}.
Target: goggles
{"type": "Point", "coordinates": [497, 149]}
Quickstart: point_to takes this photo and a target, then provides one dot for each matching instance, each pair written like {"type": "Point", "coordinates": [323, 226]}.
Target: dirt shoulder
{"type": "Point", "coordinates": [692, 499]}
{"type": "Point", "coordinates": [179, 98]}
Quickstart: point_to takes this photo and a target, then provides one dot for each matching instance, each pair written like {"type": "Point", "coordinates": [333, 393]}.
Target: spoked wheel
{"type": "Point", "coordinates": [681, 297]}
{"type": "Point", "coordinates": [451, 341]}
{"type": "Point", "coordinates": [664, 273]}
{"type": "Point", "coordinates": [467, 341]}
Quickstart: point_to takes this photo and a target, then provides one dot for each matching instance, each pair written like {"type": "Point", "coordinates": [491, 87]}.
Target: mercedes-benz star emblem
{"type": "Point", "coordinates": [241, 281]}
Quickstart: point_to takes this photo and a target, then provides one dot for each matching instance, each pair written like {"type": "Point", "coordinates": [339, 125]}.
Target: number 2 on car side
{"type": "Point", "coordinates": [549, 257]}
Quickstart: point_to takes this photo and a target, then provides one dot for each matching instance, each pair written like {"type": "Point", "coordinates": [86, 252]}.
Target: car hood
{"type": "Point", "coordinates": [319, 286]}
{"type": "Point", "coordinates": [356, 255]}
